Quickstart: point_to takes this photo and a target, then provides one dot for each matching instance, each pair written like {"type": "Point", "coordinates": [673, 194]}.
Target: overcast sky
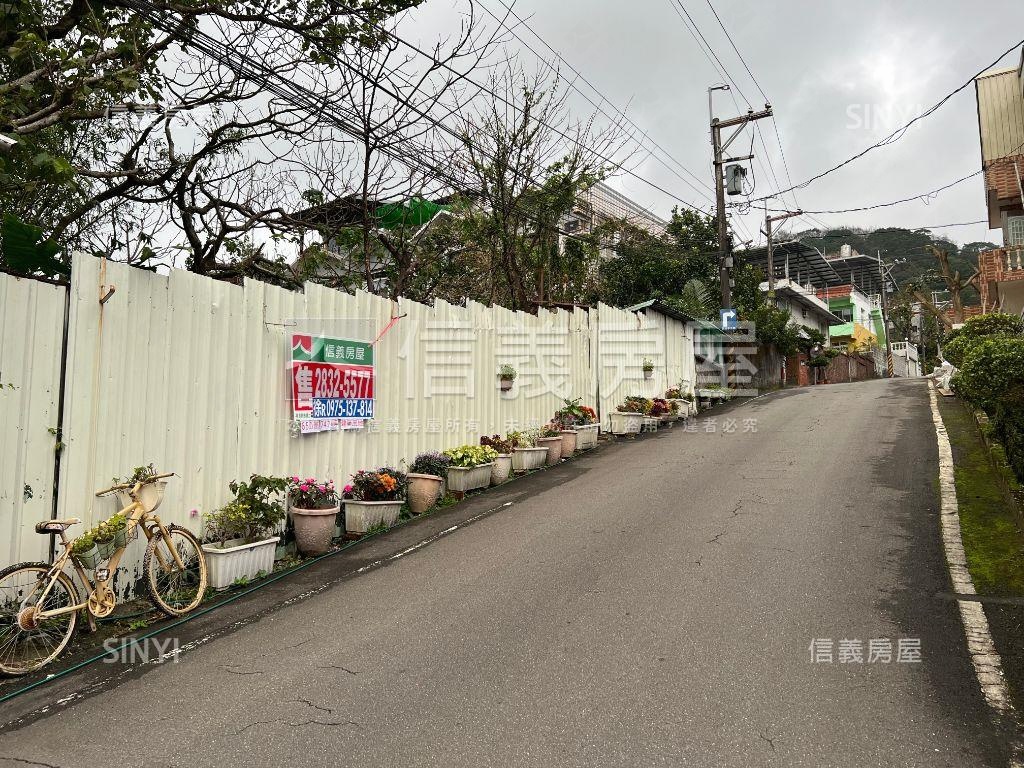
{"type": "Point", "coordinates": [840, 76]}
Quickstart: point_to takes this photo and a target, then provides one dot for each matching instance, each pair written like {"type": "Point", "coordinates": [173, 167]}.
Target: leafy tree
{"type": "Point", "coordinates": [523, 194]}
{"type": "Point", "coordinates": [118, 112]}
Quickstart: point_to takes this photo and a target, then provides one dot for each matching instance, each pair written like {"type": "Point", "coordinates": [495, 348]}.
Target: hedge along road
{"type": "Point", "coordinates": [658, 607]}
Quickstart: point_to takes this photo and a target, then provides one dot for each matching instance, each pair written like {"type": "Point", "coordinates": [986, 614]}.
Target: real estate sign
{"type": "Point", "coordinates": [332, 382]}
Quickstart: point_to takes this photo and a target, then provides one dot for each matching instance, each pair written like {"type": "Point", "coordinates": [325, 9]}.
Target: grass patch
{"type": "Point", "coordinates": [992, 538]}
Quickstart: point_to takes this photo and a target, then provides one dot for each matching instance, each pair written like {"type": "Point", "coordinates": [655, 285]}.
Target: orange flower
{"type": "Point", "coordinates": [388, 482]}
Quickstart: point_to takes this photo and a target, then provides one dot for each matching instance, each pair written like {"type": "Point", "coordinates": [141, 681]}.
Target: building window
{"type": "Point", "coordinates": [1015, 230]}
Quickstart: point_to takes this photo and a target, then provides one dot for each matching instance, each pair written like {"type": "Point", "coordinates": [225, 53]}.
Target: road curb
{"type": "Point", "coordinates": [984, 656]}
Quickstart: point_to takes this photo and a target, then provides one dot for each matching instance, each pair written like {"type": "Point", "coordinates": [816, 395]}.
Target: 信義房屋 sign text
{"type": "Point", "coordinates": [332, 382]}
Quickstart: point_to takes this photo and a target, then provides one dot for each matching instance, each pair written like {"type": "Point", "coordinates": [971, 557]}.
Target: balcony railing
{"type": "Point", "coordinates": [1003, 263]}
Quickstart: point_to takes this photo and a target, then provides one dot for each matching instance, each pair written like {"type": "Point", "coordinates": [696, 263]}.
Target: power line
{"type": "Point", "coordinates": [301, 97]}
{"type": "Point", "coordinates": [924, 196]}
{"type": "Point", "coordinates": [897, 134]}
{"type": "Point", "coordinates": [740, 55]}
{"type": "Point", "coordinates": [516, 107]}
{"type": "Point", "coordinates": [620, 112]}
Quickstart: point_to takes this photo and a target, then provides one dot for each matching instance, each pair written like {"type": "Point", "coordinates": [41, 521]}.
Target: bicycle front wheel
{"type": "Point", "coordinates": [175, 590]}
{"type": "Point", "coordinates": [29, 641]}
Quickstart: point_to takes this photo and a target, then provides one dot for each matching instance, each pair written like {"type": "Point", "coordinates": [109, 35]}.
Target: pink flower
{"type": "Point", "coordinates": [295, 478]}
{"type": "Point", "coordinates": [323, 488]}
{"type": "Point", "coordinates": [310, 480]}
{"type": "Point", "coordinates": [303, 487]}
{"type": "Point", "coordinates": [348, 489]}
{"type": "Point", "coordinates": [193, 513]}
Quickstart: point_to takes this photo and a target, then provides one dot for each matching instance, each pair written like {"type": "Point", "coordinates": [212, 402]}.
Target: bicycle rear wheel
{"type": "Point", "coordinates": [26, 641]}
{"type": "Point", "coordinates": [174, 590]}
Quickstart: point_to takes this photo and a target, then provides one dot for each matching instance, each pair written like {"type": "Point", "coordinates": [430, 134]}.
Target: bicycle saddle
{"type": "Point", "coordinates": [56, 526]}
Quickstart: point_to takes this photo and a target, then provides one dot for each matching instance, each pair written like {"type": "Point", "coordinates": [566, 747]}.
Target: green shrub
{"type": "Point", "coordinates": [1009, 422]}
{"type": "Point", "coordinates": [471, 455]}
{"type": "Point", "coordinates": [992, 372]}
{"type": "Point", "coordinates": [994, 324]}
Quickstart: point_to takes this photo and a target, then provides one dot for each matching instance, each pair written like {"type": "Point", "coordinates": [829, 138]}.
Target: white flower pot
{"type": "Point", "coordinates": [225, 565]}
{"type": "Point", "coordinates": [685, 407]}
{"type": "Point", "coordinates": [626, 423]}
{"type": "Point", "coordinates": [501, 469]}
{"type": "Point", "coordinates": [586, 436]}
{"type": "Point", "coordinates": [650, 424]}
{"type": "Point", "coordinates": [361, 516]}
{"type": "Point", "coordinates": [524, 459]}
{"type": "Point", "coordinates": [465, 479]}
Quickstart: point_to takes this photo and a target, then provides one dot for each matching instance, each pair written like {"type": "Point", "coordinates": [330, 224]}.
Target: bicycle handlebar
{"type": "Point", "coordinates": [134, 486]}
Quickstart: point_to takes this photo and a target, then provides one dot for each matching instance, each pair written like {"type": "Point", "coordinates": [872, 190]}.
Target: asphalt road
{"type": "Point", "coordinates": [655, 608]}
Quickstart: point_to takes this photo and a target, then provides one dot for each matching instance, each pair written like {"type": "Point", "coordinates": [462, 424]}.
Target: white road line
{"type": "Point", "coordinates": [984, 656]}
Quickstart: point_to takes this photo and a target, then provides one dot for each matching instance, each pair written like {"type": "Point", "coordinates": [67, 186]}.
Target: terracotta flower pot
{"type": "Point", "coordinates": [313, 529]}
{"type": "Point", "coordinates": [568, 438]}
{"type": "Point", "coordinates": [554, 446]}
{"type": "Point", "coordinates": [502, 468]}
{"type": "Point", "coordinates": [423, 492]}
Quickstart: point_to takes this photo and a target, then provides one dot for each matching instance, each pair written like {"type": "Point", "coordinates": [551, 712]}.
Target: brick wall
{"type": "Point", "coordinates": [1001, 177]}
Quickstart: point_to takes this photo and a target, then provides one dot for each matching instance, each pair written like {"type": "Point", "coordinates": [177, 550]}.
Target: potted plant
{"type": "Point", "coordinates": [506, 375]}
{"type": "Point", "coordinates": [426, 476]}
{"type": "Point", "coordinates": [628, 418]}
{"type": "Point", "coordinates": [151, 494]}
{"type": "Point", "coordinates": [239, 539]}
{"type": "Point", "coordinates": [470, 467]}
{"type": "Point", "coordinates": [661, 410]}
{"type": "Point", "coordinates": [526, 454]}
{"type": "Point", "coordinates": [582, 419]}
{"type": "Point", "coordinates": [648, 368]}
{"type": "Point", "coordinates": [110, 535]}
{"type": "Point", "coordinates": [502, 467]}
{"type": "Point", "coordinates": [551, 438]}
{"type": "Point", "coordinates": [314, 506]}
{"type": "Point", "coordinates": [680, 398]}
{"type": "Point", "coordinates": [377, 498]}
{"type": "Point", "coordinates": [85, 551]}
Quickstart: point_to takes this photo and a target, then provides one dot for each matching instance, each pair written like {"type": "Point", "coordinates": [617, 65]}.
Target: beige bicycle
{"type": "Point", "coordinates": [39, 602]}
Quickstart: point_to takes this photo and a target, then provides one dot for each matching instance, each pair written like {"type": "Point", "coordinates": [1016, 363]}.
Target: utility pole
{"type": "Point", "coordinates": [768, 221]}
{"type": "Point", "coordinates": [724, 251]}
{"type": "Point", "coordinates": [885, 318]}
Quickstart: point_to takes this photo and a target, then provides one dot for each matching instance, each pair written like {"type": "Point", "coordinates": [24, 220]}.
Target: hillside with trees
{"type": "Point", "coordinates": [906, 249]}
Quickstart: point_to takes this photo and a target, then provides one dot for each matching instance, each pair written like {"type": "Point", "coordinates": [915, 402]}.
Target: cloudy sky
{"type": "Point", "coordinates": [840, 76]}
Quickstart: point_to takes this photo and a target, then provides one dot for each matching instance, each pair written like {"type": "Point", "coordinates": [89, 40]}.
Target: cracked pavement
{"type": "Point", "coordinates": [656, 609]}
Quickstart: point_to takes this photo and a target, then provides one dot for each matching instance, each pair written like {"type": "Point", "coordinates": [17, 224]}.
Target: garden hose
{"type": "Point", "coordinates": [197, 614]}
{"type": "Point", "coordinates": [228, 600]}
